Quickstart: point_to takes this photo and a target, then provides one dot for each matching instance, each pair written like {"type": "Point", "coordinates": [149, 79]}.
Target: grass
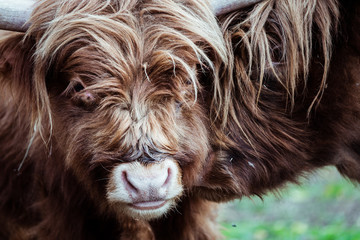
{"type": "Point", "coordinates": [325, 207]}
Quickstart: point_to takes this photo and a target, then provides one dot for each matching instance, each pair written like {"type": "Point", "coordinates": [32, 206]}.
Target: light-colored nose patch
{"type": "Point", "coordinates": [134, 185]}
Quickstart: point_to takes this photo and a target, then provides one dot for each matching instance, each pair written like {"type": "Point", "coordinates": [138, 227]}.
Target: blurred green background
{"type": "Point", "coordinates": [325, 207]}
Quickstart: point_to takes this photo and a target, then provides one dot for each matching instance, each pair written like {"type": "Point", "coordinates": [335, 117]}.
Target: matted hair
{"type": "Point", "coordinates": [274, 42]}
{"type": "Point", "coordinates": [238, 104]}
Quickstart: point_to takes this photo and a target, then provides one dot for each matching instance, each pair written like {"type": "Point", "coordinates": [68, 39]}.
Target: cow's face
{"type": "Point", "coordinates": [127, 106]}
{"type": "Point", "coordinates": [143, 137]}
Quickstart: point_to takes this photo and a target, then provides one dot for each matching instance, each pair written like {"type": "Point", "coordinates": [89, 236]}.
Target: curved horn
{"type": "Point", "coordinates": [225, 6]}
{"type": "Point", "coordinates": [14, 14]}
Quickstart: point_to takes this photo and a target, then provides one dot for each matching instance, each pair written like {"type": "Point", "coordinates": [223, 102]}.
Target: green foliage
{"type": "Point", "coordinates": [279, 230]}
{"type": "Point", "coordinates": [325, 207]}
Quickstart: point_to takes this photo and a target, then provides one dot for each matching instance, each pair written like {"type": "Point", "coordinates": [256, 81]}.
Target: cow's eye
{"type": "Point", "coordinates": [188, 82]}
{"type": "Point", "coordinates": [178, 105]}
{"type": "Point", "coordinates": [78, 87]}
{"type": "Point", "coordinates": [85, 99]}
{"type": "Point", "coordinates": [73, 87]}
{"type": "Point", "coordinates": [81, 96]}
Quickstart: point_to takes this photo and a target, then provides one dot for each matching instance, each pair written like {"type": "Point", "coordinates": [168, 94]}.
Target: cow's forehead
{"type": "Point", "coordinates": [145, 41]}
{"type": "Point", "coordinates": [125, 57]}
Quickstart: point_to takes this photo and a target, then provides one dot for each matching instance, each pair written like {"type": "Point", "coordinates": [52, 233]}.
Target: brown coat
{"type": "Point", "coordinates": [235, 106]}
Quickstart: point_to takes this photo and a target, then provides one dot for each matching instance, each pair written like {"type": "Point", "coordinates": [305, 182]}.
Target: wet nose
{"type": "Point", "coordinates": [147, 184]}
{"type": "Point", "coordinates": [135, 182]}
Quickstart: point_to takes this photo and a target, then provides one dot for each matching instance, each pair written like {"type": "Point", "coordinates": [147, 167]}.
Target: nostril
{"type": "Point", "coordinates": [129, 186]}
{"type": "Point", "coordinates": [168, 178]}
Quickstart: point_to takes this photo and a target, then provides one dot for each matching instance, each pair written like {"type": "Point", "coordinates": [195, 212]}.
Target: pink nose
{"type": "Point", "coordinates": [149, 185]}
{"type": "Point", "coordinates": [138, 183]}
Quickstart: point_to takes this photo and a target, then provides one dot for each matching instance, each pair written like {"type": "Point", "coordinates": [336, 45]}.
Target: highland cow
{"type": "Point", "coordinates": [126, 119]}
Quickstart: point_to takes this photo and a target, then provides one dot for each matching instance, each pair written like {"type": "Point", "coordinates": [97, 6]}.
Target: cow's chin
{"type": "Point", "coordinates": [145, 191]}
{"type": "Point", "coordinates": [145, 210]}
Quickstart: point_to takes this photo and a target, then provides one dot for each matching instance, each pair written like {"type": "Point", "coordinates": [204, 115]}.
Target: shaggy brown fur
{"type": "Point", "coordinates": [286, 106]}
{"type": "Point", "coordinates": [243, 103]}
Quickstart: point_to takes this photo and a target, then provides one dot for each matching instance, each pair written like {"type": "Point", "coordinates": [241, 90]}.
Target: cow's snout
{"type": "Point", "coordinates": [145, 191]}
{"type": "Point", "coordinates": [148, 184]}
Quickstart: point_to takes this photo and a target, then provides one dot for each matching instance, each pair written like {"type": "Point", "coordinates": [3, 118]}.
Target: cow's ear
{"type": "Point", "coordinates": [16, 65]}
